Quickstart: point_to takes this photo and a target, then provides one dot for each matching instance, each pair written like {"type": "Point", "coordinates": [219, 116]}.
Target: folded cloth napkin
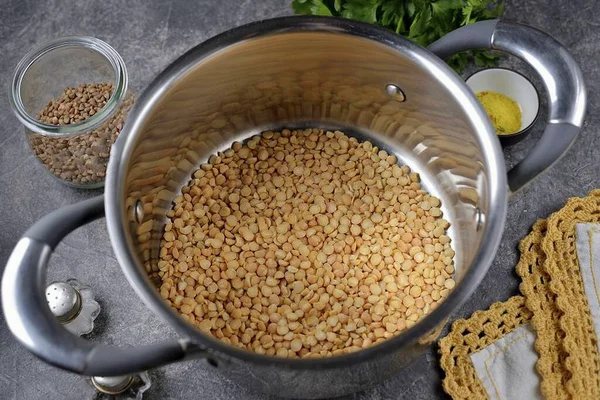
{"type": "Point", "coordinates": [588, 251]}
{"type": "Point", "coordinates": [544, 344]}
{"type": "Point", "coordinates": [506, 368]}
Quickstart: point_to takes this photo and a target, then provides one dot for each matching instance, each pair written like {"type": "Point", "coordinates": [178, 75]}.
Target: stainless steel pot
{"type": "Point", "coordinates": [319, 72]}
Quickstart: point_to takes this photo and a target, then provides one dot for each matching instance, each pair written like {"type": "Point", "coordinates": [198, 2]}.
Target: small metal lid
{"type": "Point", "coordinates": [112, 384]}
{"type": "Point", "coordinates": [64, 301]}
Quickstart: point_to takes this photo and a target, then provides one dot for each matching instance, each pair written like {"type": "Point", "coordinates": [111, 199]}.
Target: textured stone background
{"type": "Point", "coordinates": [149, 35]}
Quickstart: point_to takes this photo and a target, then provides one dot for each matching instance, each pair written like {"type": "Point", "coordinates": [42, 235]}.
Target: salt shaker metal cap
{"type": "Point", "coordinates": [112, 384]}
{"type": "Point", "coordinates": [64, 301]}
{"type": "Point", "coordinates": [73, 304]}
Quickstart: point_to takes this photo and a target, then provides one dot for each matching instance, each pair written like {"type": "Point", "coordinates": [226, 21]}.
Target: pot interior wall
{"type": "Point", "coordinates": [312, 79]}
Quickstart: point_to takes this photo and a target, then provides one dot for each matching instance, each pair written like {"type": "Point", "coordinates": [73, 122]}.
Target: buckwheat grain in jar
{"type": "Point", "coordinates": [71, 94]}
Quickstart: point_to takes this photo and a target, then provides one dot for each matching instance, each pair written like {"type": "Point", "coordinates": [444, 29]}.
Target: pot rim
{"type": "Point", "coordinates": [115, 184]}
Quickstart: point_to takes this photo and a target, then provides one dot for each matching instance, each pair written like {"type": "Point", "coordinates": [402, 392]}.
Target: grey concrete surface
{"type": "Point", "coordinates": [149, 34]}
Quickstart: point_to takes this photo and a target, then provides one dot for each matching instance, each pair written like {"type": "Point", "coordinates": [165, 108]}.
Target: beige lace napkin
{"type": "Point", "coordinates": [552, 326]}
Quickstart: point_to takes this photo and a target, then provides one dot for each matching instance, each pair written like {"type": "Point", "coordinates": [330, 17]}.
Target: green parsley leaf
{"type": "Point", "coordinates": [361, 10]}
{"type": "Point", "coordinates": [423, 21]}
{"type": "Point", "coordinates": [314, 7]}
{"type": "Point", "coordinates": [418, 28]}
{"type": "Point", "coordinates": [446, 6]}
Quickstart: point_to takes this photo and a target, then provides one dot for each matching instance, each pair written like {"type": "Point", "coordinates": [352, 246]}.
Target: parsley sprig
{"type": "Point", "coordinates": [423, 21]}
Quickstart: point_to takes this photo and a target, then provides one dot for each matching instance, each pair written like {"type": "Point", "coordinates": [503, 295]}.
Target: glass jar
{"type": "Point", "coordinates": [71, 94]}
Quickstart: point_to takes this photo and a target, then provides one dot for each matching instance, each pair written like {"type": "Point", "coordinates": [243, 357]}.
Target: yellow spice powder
{"type": "Point", "coordinates": [503, 111]}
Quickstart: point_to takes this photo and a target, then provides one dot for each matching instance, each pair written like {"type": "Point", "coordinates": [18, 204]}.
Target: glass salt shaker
{"type": "Point", "coordinates": [126, 387]}
{"type": "Point", "coordinates": [73, 304]}
{"type": "Point", "coordinates": [71, 94]}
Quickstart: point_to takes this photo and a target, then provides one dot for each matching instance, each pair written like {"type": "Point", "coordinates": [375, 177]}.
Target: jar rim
{"type": "Point", "coordinates": [119, 86]}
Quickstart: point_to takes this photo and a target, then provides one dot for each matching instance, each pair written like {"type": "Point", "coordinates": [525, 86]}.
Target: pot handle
{"type": "Point", "coordinates": [30, 320]}
{"type": "Point", "coordinates": [560, 74]}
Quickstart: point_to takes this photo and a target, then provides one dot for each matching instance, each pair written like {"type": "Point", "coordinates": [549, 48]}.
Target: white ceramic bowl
{"type": "Point", "coordinates": [515, 86]}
